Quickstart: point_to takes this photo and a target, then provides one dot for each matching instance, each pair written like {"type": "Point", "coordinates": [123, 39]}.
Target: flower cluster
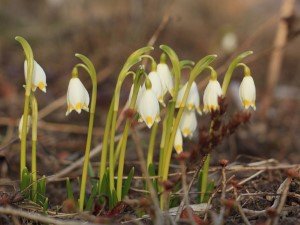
{"type": "Point", "coordinates": [160, 81]}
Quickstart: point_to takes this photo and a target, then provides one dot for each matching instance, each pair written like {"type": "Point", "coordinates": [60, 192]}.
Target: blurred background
{"type": "Point", "coordinates": [108, 31]}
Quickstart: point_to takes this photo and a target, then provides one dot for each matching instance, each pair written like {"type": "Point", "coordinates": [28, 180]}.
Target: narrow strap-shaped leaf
{"type": "Point", "coordinates": [90, 200]}
{"type": "Point", "coordinates": [70, 193]}
{"type": "Point", "coordinates": [127, 183]}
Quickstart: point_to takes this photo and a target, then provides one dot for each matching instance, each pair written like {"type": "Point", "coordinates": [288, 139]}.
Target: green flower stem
{"type": "Point", "coordinates": [89, 67]}
{"type": "Point", "coordinates": [29, 58]}
{"type": "Point", "coordinates": [167, 51]}
{"type": "Point", "coordinates": [204, 178]}
{"type": "Point", "coordinates": [231, 68]}
{"type": "Point", "coordinates": [122, 160]}
{"type": "Point", "coordinates": [105, 143]}
{"type": "Point", "coordinates": [136, 87]}
{"type": "Point", "coordinates": [34, 114]}
{"type": "Point", "coordinates": [199, 67]}
{"type": "Point", "coordinates": [246, 69]}
{"type": "Point", "coordinates": [112, 151]}
{"type": "Point", "coordinates": [132, 60]}
{"type": "Point", "coordinates": [152, 144]}
{"type": "Point", "coordinates": [161, 153]}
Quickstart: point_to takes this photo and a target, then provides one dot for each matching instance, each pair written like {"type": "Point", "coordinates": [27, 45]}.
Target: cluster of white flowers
{"type": "Point", "coordinates": [159, 82]}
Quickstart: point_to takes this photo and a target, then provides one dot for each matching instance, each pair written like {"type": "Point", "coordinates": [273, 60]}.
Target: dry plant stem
{"type": "Point", "coordinates": [282, 200]}
{"type": "Point", "coordinates": [213, 195]}
{"type": "Point", "coordinates": [185, 192]}
{"type": "Point", "coordinates": [247, 179]}
{"type": "Point", "coordinates": [181, 206]}
{"type": "Point", "coordinates": [140, 154]}
{"type": "Point", "coordinates": [274, 69]}
{"type": "Point", "coordinates": [240, 209]}
{"type": "Point", "coordinates": [223, 196]}
{"type": "Point", "coordinates": [36, 217]}
{"type": "Point", "coordinates": [276, 202]}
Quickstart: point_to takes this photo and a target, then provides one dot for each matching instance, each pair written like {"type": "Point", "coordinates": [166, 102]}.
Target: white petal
{"type": "Point", "coordinates": [212, 92]}
{"type": "Point", "coordinates": [178, 141]}
{"type": "Point", "coordinates": [166, 78]}
{"type": "Point", "coordinates": [193, 100]}
{"type": "Point", "coordinates": [247, 92]}
{"type": "Point", "coordinates": [156, 86]}
{"type": "Point", "coordinates": [21, 125]}
{"type": "Point", "coordinates": [77, 96]}
{"type": "Point", "coordinates": [188, 123]}
{"type": "Point", "coordinates": [148, 107]}
{"type": "Point", "coordinates": [38, 76]}
{"type": "Point", "coordinates": [180, 96]}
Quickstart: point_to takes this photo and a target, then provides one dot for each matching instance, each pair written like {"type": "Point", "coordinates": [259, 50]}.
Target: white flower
{"type": "Point", "coordinates": [178, 141]}
{"type": "Point", "coordinates": [21, 125]}
{"type": "Point", "coordinates": [38, 76]}
{"type": "Point", "coordinates": [148, 107]}
{"type": "Point", "coordinates": [193, 100]}
{"type": "Point", "coordinates": [212, 92]}
{"type": "Point", "coordinates": [157, 87]}
{"type": "Point", "coordinates": [248, 92]}
{"type": "Point", "coordinates": [188, 123]}
{"type": "Point", "coordinates": [166, 78]}
{"type": "Point", "coordinates": [77, 96]}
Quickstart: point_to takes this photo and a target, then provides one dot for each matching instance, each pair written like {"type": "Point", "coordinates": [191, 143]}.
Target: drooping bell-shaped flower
{"type": "Point", "coordinates": [166, 78]}
{"type": "Point", "coordinates": [77, 96]}
{"type": "Point", "coordinates": [38, 76]}
{"type": "Point", "coordinates": [193, 100]}
{"type": "Point", "coordinates": [148, 106]}
{"type": "Point", "coordinates": [157, 87]}
{"type": "Point", "coordinates": [248, 92]}
{"type": "Point", "coordinates": [188, 123]}
{"type": "Point", "coordinates": [178, 141]}
{"type": "Point", "coordinates": [21, 125]}
{"type": "Point", "coordinates": [212, 92]}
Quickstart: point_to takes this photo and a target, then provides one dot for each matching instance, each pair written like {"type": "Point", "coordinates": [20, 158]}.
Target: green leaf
{"type": "Point", "coordinates": [113, 199]}
{"type": "Point", "coordinates": [41, 191]}
{"type": "Point", "coordinates": [104, 188]}
{"type": "Point", "coordinates": [46, 205]}
{"type": "Point", "coordinates": [209, 188]}
{"type": "Point", "coordinates": [70, 193]}
{"type": "Point", "coordinates": [135, 57]}
{"type": "Point", "coordinates": [186, 64]}
{"type": "Point", "coordinates": [201, 65]}
{"type": "Point", "coordinates": [127, 183]}
{"type": "Point", "coordinates": [25, 183]}
{"type": "Point", "coordinates": [90, 201]}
